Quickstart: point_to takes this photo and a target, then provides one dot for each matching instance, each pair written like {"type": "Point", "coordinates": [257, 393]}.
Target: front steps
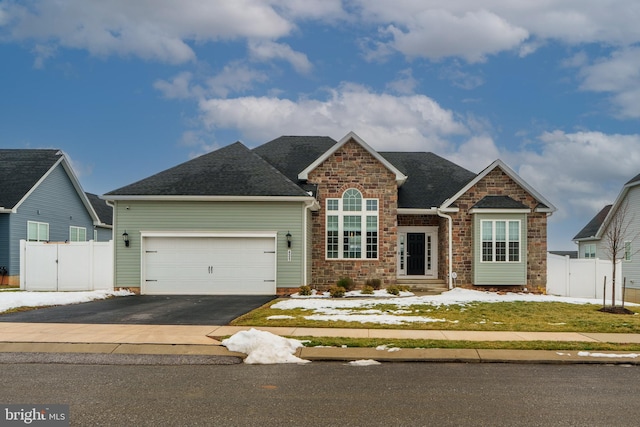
{"type": "Point", "coordinates": [424, 286]}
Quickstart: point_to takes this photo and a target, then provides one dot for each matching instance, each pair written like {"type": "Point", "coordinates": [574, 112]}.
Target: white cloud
{"type": "Point", "coordinates": [234, 78]}
{"type": "Point", "coordinates": [267, 50]}
{"type": "Point", "coordinates": [476, 154]}
{"type": "Point", "coordinates": [473, 35]}
{"type": "Point", "coordinates": [580, 172]}
{"type": "Point", "coordinates": [437, 29]}
{"type": "Point", "coordinates": [404, 84]}
{"type": "Point", "coordinates": [413, 122]}
{"type": "Point", "coordinates": [149, 29]}
{"type": "Point", "coordinates": [178, 88]}
{"type": "Point", "coordinates": [619, 75]}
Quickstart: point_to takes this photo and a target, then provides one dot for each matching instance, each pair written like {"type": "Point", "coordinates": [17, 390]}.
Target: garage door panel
{"type": "Point", "coordinates": [209, 265]}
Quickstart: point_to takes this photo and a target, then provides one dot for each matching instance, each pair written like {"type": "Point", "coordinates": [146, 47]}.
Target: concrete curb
{"type": "Point", "coordinates": [468, 356]}
{"type": "Point", "coordinates": [181, 353]}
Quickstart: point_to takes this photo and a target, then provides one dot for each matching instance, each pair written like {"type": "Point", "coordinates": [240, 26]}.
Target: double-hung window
{"type": "Point", "coordinates": [77, 234]}
{"type": "Point", "coordinates": [352, 226]}
{"type": "Point", "coordinates": [37, 231]}
{"type": "Point", "coordinates": [589, 250]}
{"type": "Point", "coordinates": [500, 241]}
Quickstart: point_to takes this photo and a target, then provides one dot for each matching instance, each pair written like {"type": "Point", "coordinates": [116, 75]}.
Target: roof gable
{"type": "Point", "coordinates": [543, 204]}
{"type": "Point", "coordinates": [591, 229]}
{"type": "Point", "coordinates": [233, 170]}
{"type": "Point", "coordinates": [21, 170]}
{"type": "Point", "coordinates": [400, 177]}
{"type": "Point", "coordinates": [605, 217]}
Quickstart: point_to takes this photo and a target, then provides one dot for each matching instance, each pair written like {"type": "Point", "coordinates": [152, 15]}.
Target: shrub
{"type": "Point", "coordinates": [403, 288]}
{"type": "Point", "coordinates": [305, 290]}
{"type": "Point", "coordinates": [374, 283]}
{"type": "Point", "coordinates": [336, 291]}
{"type": "Point", "coordinates": [393, 290]}
{"type": "Point", "coordinates": [367, 290]}
{"type": "Point", "coordinates": [347, 284]}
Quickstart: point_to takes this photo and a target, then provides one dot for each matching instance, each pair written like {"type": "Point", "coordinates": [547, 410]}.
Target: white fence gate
{"type": "Point", "coordinates": [75, 266]}
{"type": "Point", "coordinates": [581, 278]}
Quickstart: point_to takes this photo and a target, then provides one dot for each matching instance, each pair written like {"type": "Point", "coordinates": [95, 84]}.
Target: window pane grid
{"type": "Point", "coordinates": [352, 227]}
{"type": "Point", "coordinates": [352, 200]}
{"type": "Point", "coordinates": [500, 241]}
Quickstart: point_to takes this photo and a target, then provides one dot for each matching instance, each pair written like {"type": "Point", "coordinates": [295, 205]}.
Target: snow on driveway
{"type": "Point", "coordinates": [14, 299]}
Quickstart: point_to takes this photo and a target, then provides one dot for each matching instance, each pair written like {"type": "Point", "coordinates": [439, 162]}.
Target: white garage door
{"type": "Point", "coordinates": [209, 266]}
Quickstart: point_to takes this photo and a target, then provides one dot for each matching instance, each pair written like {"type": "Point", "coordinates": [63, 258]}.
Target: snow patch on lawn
{"type": "Point", "coordinates": [381, 319]}
{"type": "Point", "coordinates": [264, 348]}
{"type": "Point", "coordinates": [9, 300]}
{"type": "Point", "coordinates": [456, 296]}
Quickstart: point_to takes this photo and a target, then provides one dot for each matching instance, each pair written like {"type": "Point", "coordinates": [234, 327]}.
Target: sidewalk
{"type": "Point", "coordinates": [202, 341]}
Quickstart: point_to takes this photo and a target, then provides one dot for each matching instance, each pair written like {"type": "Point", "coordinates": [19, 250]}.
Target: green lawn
{"type": "Point", "coordinates": [505, 316]}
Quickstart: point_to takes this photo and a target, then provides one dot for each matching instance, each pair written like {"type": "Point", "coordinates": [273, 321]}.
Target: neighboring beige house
{"type": "Point", "coordinates": [304, 210]}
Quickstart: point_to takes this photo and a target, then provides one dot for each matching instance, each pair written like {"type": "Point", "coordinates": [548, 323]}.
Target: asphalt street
{"type": "Point", "coordinates": [332, 394]}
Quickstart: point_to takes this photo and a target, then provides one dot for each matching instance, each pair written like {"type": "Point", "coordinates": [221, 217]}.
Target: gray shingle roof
{"type": "Point", "coordinates": [499, 202]}
{"type": "Point", "coordinates": [20, 170]}
{"type": "Point", "coordinates": [634, 179]}
{"type": "Point", "coordinates": [292, 154]}
{"type": "Point", "coordinates": [593, 226]}
{"type": "Point", "coordinates": [431, 178]}
{"type": "Point", "coordinates": [233, 170]}
{"type": "Point", "coordinates": [103, 210]}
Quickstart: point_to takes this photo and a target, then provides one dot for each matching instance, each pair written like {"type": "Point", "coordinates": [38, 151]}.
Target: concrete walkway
{"type": "Point", "coordinates": [203, 341]}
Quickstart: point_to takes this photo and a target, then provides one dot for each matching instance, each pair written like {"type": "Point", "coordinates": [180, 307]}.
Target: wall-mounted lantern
{"type": "Point", "coordinates": [125, 236]}
{"type": "Point", "coordinates": [288, 240]}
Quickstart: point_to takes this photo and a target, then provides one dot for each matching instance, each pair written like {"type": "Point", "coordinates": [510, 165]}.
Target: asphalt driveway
{"type": "Point", "coordinates": [147, 310]}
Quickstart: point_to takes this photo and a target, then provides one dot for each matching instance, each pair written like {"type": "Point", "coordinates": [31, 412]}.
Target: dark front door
{"type": "Point", "coordinates": [415, 254]}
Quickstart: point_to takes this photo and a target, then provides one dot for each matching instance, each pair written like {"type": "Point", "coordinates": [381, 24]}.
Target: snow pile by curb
{"type": "Point", "coordinates": [264, 348]}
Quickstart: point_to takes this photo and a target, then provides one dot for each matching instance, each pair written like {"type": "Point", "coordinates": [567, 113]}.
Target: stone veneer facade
{"type": "Point", "coordinates": [352, 166]}
{"type": "Point", "coordinates": [497, 183]}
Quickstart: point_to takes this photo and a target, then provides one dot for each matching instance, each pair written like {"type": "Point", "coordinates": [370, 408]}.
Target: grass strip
{"type": "Point", "coordinates": [485, 345]}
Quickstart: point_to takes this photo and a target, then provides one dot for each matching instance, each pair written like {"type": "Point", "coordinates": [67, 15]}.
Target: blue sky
{"type": "Point", "coordinates": [128, 89]}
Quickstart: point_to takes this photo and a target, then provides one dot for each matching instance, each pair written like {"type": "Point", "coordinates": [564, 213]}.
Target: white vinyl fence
{"type": "Point", "coordinates": [581, 278]}
{"type": "Point", "coordinates": [75, 266]}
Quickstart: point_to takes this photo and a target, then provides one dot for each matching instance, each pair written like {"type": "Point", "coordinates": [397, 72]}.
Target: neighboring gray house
{"type": "Point", "coordinates": [40, 200]}
{"type": "Point", "coordinates": [593, 243]}
{"type": "Point", "coordinates": [103, 231]}
{"type": "Point", "coordinates": [308, 210]}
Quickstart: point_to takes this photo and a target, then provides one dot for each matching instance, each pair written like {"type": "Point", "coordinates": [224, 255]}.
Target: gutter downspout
{"type": "Point", "coordinates": [307, 209]}
{"type": "Point", "coordinates": [450, 233]}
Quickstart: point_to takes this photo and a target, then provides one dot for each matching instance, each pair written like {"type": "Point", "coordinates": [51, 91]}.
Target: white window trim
{"type": "Point", "coordinates": [586, 250]}
{"type": "Point", "coordinates": [72, 228]}
{"type": "Point", "coordinates": [627, 251]}
{"type": "Point", "coordinates": [493, 241]}
{"type": "Point", "coordinates": [38, 224]}
{"type": "Point", "coordinates": [363, 214]}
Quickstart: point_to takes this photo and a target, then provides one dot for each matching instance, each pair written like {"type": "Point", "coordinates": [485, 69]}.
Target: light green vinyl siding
{"type": "Point", "coordinates": [499, 273]}
{"type": "Point", "coordinates": [149, 216]}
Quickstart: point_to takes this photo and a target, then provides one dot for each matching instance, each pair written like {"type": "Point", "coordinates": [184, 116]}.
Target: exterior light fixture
{"type": "Point", "coordinates": [125, 236]}
{"type": "Point", "coordinates": [288, 240]}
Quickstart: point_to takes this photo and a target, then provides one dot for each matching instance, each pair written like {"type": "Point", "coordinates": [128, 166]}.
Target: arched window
{"type": "Point", "coordinates": [352, 226]}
